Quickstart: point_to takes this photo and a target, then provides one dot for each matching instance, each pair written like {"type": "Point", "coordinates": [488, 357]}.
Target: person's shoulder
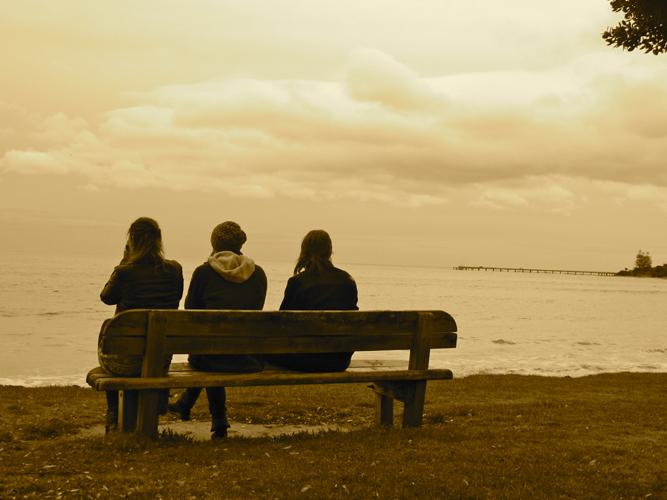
{"type": "Point", "coordinates": [173, 264]}
{"type": "Point", "coordinates": [172, 268]}
{"type": "Point", "coordinates": [343, 274]}
{"type": "Point", "coordinates": [297, 278]}
{"type": "Point", "coordinates": [202, 269]}
{"type": "Point", "coordinates": [259, 273]}
{"type": "Point", "coordinates": [123, 269]}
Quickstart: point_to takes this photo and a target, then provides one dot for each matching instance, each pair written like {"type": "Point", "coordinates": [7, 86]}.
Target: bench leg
{"type": "Point", "coordinates": [127, 413]}
{"type": "Point", "coordinates": [384, 410]}
{"type": "Point", "coordinates": [147, 412]}
{"type": "Point", "coordinates": [414, 404]}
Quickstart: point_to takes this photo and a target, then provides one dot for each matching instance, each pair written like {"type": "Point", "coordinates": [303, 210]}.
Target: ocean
{"type": "Point", "coordinates": [544, 324]}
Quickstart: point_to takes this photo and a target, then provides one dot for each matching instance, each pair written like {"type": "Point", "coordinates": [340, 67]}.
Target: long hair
{"type": "Point", "coordinates": [144, 242]}
{"type": "Point", "coordinates": [316, 249]}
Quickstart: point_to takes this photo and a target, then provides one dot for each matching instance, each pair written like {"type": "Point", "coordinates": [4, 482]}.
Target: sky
{"type": "Point", "coordinates": [426, 133]}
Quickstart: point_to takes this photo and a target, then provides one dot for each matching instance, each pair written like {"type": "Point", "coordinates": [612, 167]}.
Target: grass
{"type": "Point", "coordinates": [503, 436]}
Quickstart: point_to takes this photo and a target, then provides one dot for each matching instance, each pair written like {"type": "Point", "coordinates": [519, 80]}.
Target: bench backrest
{"type": "Point", "coordinates": [153, 333]}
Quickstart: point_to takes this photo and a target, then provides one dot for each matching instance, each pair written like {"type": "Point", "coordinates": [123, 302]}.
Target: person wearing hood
{"type": "Point", "coordinates": [228, 280]}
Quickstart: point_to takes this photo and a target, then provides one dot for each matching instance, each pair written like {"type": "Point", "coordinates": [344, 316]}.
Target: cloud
{"type": "Point", "coordinates": [380, 133]}
{"type": "Point", "coordinates": [376, 77]}
{"type": "Point", "coordinates": [621, 192]}
{"type": "Point", "coordinates": [33, 162]}
{"type": "Point", "coordinates": [548, 193]}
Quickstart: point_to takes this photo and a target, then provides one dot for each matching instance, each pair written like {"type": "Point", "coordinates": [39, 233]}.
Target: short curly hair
{"type": "Point", "coordinates": [228, 236]}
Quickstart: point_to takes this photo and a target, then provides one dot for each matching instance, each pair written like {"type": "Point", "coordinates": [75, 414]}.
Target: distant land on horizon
{"type": "Point", "coordinates": [645, 272]}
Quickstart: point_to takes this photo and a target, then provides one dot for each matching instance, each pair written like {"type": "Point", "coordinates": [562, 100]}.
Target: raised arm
{"type": "Point", "coordinates": [111, 292]}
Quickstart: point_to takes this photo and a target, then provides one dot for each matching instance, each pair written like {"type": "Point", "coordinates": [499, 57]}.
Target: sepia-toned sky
{"type": "Point", "coordinates": [434, 132]}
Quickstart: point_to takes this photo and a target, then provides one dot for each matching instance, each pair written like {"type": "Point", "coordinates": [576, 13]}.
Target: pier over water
{"type": "Point", "coordinates": [529, 270]}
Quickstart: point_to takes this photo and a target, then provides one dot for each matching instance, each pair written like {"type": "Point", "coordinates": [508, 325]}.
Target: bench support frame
{"type": "Point", "coordinates": [127, 413]}
{"type": "Point", "coordinates": [147, 411]}
{"type": "Point", "coordinates": [140, 404]}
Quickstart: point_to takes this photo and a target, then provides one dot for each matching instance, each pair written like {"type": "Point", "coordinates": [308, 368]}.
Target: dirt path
{"type": "Point", "coordinates": [201, 430]}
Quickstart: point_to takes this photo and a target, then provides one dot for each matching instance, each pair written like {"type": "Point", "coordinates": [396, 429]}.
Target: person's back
{"type": "Point", "coordinates": [144, 279]}
{"type": "Point", "coordinates": [317, 285]}
{"type": "Point", "coordinates": [328, 288]}
{"type": "Point", "coordinates": [144, 285]}
{"type": "Point", "coordinates": [228, 280]}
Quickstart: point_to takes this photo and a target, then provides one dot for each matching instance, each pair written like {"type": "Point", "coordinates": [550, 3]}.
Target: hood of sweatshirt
{"type": "Point", "coordinates": [232, 266]}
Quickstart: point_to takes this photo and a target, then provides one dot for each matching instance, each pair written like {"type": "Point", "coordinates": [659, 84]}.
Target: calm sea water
{"type": "Point", "coordinates": [50, 316]}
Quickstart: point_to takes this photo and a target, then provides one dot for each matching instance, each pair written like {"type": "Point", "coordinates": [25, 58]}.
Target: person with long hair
{"type": "Point", "coordinates": [317, 285]}
{"type": "Point", "coordinates": [144, 279]}
{"type": "Point", "coordinates": [227, 280]}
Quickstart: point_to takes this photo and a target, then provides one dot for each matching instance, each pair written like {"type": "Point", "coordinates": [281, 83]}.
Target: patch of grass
{"type": "Point", "coordinates": [170, 436]}
{"type": "Point", "coordinates": [47, 412]}
{"type": "Point", "coordinates": [437, 418]}
{"type": "Point", "coordinates": [48, 428]}
{"type": "Point", "coordinates": [483, 437]}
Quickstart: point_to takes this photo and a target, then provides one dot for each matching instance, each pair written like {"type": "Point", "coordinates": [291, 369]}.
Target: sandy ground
{"type": "Point", "coordinates": [201, 430]}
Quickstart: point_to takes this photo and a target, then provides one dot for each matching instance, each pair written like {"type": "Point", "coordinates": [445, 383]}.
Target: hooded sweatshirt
{"type": "Point", "coordinates": [231, 266]}
{"type": "Point", "coordinates": [227, 281]}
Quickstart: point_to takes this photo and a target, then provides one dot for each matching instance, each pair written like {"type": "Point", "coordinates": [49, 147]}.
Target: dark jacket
{"type": "Point", "coordinates": [144, 285]}
{"type": "Point", "coordinates": [209, 290]}
{"type": "Point", "coordinates": [329, 289]}
{"type": "Point", "coordinates": [227, 281]}
{"type": "Point", "coordinates": [140, 285]}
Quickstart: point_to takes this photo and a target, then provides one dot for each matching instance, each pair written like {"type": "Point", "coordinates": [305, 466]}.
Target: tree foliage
{"type": "Point", "coordinates": [643, 267]}
{"type": "Point", "coordinates": [644, 26]}
{"type": "Point", "coordinates": [643, 260]}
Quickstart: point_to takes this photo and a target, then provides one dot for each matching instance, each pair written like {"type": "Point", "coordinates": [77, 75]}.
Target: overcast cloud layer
{"type": "Point", "coordinates": [379, 132]}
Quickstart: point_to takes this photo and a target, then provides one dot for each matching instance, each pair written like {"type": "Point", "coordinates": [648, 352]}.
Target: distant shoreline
{"type": "Point", "coordinates": [25, 383]}
{"type": "Point", "coordinates": [651, 272]}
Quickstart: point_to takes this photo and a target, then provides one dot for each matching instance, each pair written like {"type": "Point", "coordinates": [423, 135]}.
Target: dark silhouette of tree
{"type": "Point", "coordinates": [643, 267]}
{"type": "Point", "coordinates": [644, 26]}
{"type": "Point", "coordinates": [643, 260]}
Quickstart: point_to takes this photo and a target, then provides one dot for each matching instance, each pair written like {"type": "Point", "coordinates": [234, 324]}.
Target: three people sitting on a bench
{"type": "Point", "coordinates": [228, 280]}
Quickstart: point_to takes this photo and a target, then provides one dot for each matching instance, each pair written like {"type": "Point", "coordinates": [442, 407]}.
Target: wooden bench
{"type": "Point", "coordinates": [156, 333]}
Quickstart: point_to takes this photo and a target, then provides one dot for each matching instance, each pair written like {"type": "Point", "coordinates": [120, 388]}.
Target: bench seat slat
{"type": "Point", "coordinates": [210, 379]}
{"type": "Point", "coordinates": [355, 365]}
